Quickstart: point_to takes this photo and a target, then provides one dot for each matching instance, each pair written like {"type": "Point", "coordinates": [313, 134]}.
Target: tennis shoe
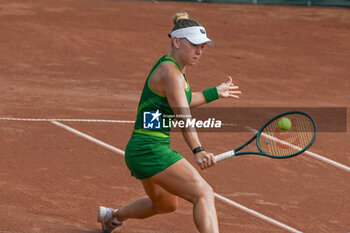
{"type": "Point", "coordinates": [108, 221]}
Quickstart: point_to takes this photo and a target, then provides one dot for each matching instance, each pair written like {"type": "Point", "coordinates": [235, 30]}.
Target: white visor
{"type": "Point", "coordinates": [196, 35]}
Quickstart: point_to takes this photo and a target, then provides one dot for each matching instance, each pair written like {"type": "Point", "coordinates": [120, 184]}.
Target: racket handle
{"type": "Point", "coordinates": [225, 155]}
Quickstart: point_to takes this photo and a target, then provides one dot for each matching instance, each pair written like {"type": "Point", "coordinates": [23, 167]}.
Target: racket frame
{"type": "Point", "coordinates": [256, 137]}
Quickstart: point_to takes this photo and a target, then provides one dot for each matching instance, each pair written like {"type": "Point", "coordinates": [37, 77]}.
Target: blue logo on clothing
{"type": "Point", "coordinates": [151, 120]}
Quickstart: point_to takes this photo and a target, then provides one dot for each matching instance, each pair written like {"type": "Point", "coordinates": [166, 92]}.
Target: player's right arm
{"type": "Point", "coordinates": [174, 88]}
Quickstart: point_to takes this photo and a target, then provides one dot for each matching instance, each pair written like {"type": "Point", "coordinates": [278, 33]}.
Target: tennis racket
{"type": "Point", "coordinates": [277, 143]}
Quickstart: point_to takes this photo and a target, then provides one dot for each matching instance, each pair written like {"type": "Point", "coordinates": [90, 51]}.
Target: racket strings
{"type": "Point", "coordinates": [280, 143]}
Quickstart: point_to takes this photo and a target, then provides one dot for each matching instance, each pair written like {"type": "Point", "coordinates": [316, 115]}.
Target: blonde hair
{"type": "Point", "coordinates": [180, 16]}
{"type": "Point", "coordinates": [182, 20]}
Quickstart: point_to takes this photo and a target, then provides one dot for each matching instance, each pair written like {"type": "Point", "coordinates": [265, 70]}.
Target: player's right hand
{"type": "Point", "coordinates": [205, 159]}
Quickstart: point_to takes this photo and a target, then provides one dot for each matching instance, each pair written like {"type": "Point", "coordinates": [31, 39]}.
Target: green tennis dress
{"type": "Point", "coordinates": [148, 150]}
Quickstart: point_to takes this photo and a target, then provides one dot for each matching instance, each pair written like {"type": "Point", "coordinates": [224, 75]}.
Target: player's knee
{"type": "Point", "coordinates": [203, 190]}
{"type": "Point", "coordinates": [170, 207]}
{"type": "Point", "coordinates": [166, 206]}
{"type": "Point", "coordinates": [208, 192]}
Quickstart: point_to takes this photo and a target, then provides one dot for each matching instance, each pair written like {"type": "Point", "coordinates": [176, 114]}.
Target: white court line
{"type": "Point", "coordinates": [74, 120]}
{"type": "Point", "coordinates": [316, 156]}
{"type": "Point", "coordinates": [224, 199]}
{"type": "Point", "coordinates": [92, 139]}
{"type": "Point", "coordinates": [253, 212]}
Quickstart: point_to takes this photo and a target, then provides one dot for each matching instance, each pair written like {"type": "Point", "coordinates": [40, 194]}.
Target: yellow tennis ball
{"type": "Point", "coordinates": [284, 124]}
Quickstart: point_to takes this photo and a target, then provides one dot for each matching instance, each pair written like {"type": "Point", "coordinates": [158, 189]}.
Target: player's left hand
{"type": "Point", "coordinates": [228, 89]}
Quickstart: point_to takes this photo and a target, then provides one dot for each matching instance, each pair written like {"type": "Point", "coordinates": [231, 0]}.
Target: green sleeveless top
{"type": "Point", "coordinates": [152, 104]}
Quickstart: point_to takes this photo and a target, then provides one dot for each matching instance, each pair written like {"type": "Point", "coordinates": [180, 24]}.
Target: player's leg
{"type": "Point", "coordinates": [161, 201]}
{"type": "Point", "coordinates": [158, 201]}
{"type": "Point", "coordinates": [183, 180]}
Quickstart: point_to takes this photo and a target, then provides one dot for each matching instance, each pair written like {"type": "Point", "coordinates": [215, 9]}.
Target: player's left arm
{"type": "Point", "coordinates": [225, 90]}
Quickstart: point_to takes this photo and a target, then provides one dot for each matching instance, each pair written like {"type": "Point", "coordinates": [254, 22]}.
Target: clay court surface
{"type": "Point", "coordinates": [89, 60]}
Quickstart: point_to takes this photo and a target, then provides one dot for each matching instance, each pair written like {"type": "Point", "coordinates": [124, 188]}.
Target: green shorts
{"type": "Point", "coordinates": [147, 155]}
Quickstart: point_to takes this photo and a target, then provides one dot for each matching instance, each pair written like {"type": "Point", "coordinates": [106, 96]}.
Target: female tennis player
{"type": "Point", "coordinates": [164, 173]}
